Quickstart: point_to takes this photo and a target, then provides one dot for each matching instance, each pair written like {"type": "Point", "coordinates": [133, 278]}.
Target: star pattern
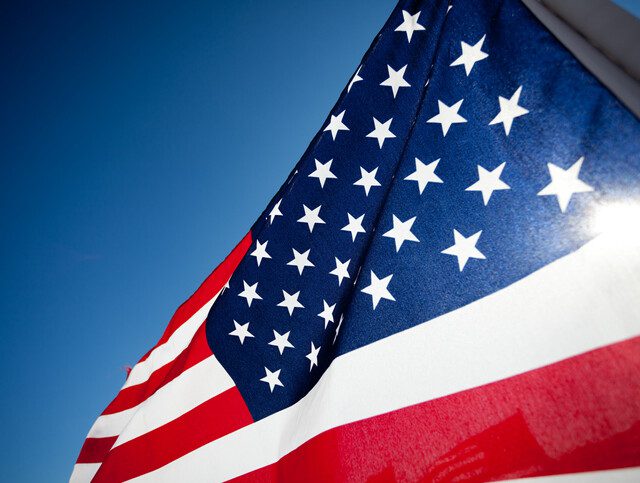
{"type": "Point", "coordinates": [327, 313]}
{"type": "Point", "coordinates": [354, 226]}
{"type": "Point", "coordinates": [447, 116]}
{"type": "Point", "coordinates": [313, 356]}
{"type": "Point", "coordinates": [367, 180]}
{"type": "Point", "coordinates": [401, 231]}
{"type": "Point", "coordinates": [250, 292]}
{"type": "Point", "coordinates": [356, 78]}
{"type": "Point", "coordinates": [509, 110]}
{"type": "Point", "coordinates": [290, 301]}
{"type": "Point", "coordinates": [281, 341]}
{"type": "Point", "coordinates": [470, 55]}
{"type": "Point", "coordinates": [565, 183]}
{"type": "Point", "coordinates": [378, 289]}
{"type": "Point", "coordinates": [395, 80]}
{"type": "Point", "coordinates": [409, 24]}
{"type": "Point", "coordinates": [311, 217]}
{"type": "Point", "coordinates": [323, 172]}
{"type": "Point", "coordinates": [464, 248]}
{"type": "Point", "coordinates": [338, 328]}
{"type": "Point", "coordinates": [272, 378]}
{"type": "Point", "coordinates": [424, 174]}
{"type": "Point", "coordinates": [341, 270]}
{"type": "Point", "coordinates": [275, 211]}
{"type": "Point", "coordinates": [260, 252]}
{"type": "Point", "coordinates": [380, 281]}
{"type": "Point", "coordinates": [300, 260]}
{"type": "Point", "coordinates": [336, 125]}
{"type": "Point", "coordinates": [241, 331]}
{"type": "Point", "coordinates": [488, 182]}
{"type": "Point", "coordinates": [381, 131]}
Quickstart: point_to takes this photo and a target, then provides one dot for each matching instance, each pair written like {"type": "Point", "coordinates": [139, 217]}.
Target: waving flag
{"type": "Point", "coordinates": [446, 287]}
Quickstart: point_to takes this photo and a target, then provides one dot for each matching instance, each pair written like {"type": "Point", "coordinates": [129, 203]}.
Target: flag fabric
{"type": "Point", "coordinates": [446, 287]}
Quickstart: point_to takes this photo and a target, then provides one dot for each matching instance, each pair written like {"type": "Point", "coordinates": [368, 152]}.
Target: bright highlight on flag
{"type": "Point", "coordinates": [619, 219]}
{"type": "Point", "coordinates": [444, 289]}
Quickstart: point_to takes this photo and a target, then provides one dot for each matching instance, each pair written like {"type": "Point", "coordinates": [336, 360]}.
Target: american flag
{"type": "Point", "coordinates": [446, 287]}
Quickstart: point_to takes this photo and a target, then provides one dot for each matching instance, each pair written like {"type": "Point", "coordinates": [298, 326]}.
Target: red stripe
{"type": "Point", "coordinates": [581, 414]}
{"type": "Point", "coordinates": [134, 395]}
{"type": "Point", "coordinates": [95, 449]}
{"type": "Point", "coordinates": [211, 286]}
{"type": "Point", "coordinates": [197, 351]}
{"type": "Point", "coordinates": [211, 420]}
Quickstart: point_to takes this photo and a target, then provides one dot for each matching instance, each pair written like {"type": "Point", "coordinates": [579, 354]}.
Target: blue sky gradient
{"type": "Point", "coordinates": [139, 143]}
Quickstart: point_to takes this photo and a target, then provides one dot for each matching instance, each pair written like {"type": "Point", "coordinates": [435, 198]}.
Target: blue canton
{"type": "Point", "coordinates": [468, 150]}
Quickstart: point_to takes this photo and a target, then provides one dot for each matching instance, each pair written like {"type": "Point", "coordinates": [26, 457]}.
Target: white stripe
{"type": "Point", "coordinates": [614, 476]}
{"type": "Point", "coordinates": [171, 349]}
{"type": "Point", "coordinates": [113, 424]}
{"type": "Point", "coordinates": [84, 472]}
{"type": "Point", "coordinates": [109, 425]}
{"type": "Point", "coordinates": [585, 300]}
{"type": "Point", "coordinates": [187, 391]}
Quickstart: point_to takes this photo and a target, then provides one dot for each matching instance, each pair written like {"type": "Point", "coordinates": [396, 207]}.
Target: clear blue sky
{"type": "Point", "coordinates": [138, 144]}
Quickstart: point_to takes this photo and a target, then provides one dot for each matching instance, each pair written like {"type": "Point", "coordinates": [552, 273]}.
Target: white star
{"type": "Point", "coordinates": [565, 183]}
{"type": "Point", "coordinates": [470, 55]}
{"type": "Point", "coordinates": [250, 292]}
{"type": "Point", "coordinates": [367, 180]}
{"type": "Point", "coordinates": [275, 211]}
{"type": "Point", "coordinates": [356, 78]}
{"type": "Point", "coordinates": [401, 231]}
{"type": "Point", "coordinates": [313, 356]}
{"type": "Point", "coordinates": [225, 286]}
{"type": "Point", "coordinates": [323, 172]}
{"type": "Point", "coordinates": [341, 270]}
{"type": "Point", "coordinates": [357, 275]}
{"type": "Point", "coordinates": [301, 260]}
{"type": "Point", "coordinates": [354, 226]}
{"type": "Point", "coordinates": [378, 289]}
{"type": "Point", "coordinates": [409, 24]}
{"type": "Point", "coordinates": [381, 131]}
{"type": "Point", "coordinates": [311, 217]}
{"type": "Point", "coordinates": [338, 328]}
{"type": "Point", "coordinates": [272, 378]}
{"type": "Point", "coordinates": [509, 110]}
{"type": "Point", "coordinates": [260, 252]}
{"type": "Point", "coordinates": [395, 80]}
{"type": "Point", "coordinates": [241, 331]}
{"type": "Point", "coordinates": [281, 341]}
{"type": "Point", "coordinates": [335, 125]}
{"type": "Point", "coordinates": [327, 313]}
{"type": "Point", "coordinates": [424, 174]}
{"type": "Point", "coordinates": [488, 182]}
{"type": "Point", "coordinates": [291, 302]}
{"type": "Point", "coordinates": [464, 248]}
{"type": "Point", "coordinates": [447, 116]}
